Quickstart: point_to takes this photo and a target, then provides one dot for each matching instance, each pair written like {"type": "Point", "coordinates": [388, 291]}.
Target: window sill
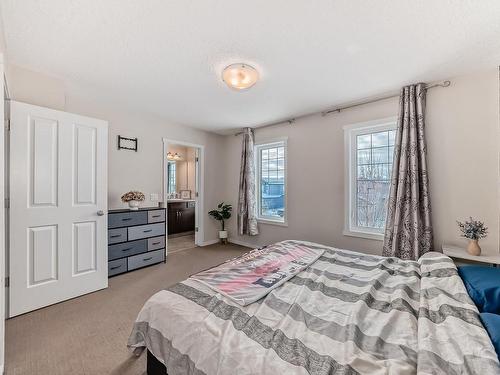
{"type": "Point", "coordinates": [365, 235]}
{"type": "Point", "coordinates": [273, 222]}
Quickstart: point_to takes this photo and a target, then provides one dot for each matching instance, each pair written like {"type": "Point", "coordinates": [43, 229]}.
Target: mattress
{"type": "Point", "coordinates": [347, 313]}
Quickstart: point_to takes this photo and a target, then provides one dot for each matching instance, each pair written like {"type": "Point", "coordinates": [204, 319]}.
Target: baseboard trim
{"type": "Point", "coordinates": [243, 243]}
{"type": "Point", "coordinates": [210, 242]}
{"type": "Point", "coordinates": [231, 240]}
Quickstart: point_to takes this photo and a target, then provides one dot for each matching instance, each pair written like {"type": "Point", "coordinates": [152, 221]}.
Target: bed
{"type": "Point", "coordinates": [346, 313]}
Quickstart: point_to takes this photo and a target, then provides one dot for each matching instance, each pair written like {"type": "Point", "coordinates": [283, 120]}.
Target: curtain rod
{"type": "Point", "coordinates": [342, 108]}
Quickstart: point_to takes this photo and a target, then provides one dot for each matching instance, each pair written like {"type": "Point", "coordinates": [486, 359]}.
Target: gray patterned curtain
{"type": "Point", "coordinates": [408, 232]}
{"type": "Point", "coordinates": [247, 200]}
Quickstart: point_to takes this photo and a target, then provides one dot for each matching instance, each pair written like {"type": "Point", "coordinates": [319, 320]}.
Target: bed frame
{"type": "Point", "coordinates": [155, 367]}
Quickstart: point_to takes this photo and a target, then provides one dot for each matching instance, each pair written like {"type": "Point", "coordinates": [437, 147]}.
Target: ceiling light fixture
{"type": "Point", "coordinates": [240, 76]}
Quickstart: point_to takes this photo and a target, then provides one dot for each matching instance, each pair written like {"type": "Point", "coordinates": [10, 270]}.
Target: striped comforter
{"type": "Point", "coordinates": [347, 313]}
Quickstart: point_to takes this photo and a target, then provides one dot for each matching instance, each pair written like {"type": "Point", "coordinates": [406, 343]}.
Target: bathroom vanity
{"type": "Point", "coordinates": [180, 215]}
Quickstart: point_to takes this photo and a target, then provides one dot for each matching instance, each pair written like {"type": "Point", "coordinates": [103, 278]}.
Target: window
{"type": "Point", "coordinates": [271, 182]}
{"type": "Point", "coordinates": [171, 177]}
{"type": "Point", "coordinates": [369, 154]}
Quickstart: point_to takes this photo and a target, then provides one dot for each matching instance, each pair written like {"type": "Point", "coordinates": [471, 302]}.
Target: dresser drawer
{"type": "Point", "coordinates": [116, 267]}
{"type": "Point", "coordinates": [142, 260]}
{"type": "Point", "coordinates": [156, 243]}
{"type": "Point", "coordinates": [127, 219]}
{"type": "Point", "coordinates": [145, 231]}
{"type": "Point", "coordinates": [156, 216]}
{"type": "Point", "coordinates": [127, 248]}
{"type": "Point", "coordinates": [117, 235]}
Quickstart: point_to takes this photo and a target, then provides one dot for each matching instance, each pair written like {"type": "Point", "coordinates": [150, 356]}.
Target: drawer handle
{"type": "Point", "coordinates": [156, 216]}
{"type": "Point", "coordinates": [115, 268]}
{"type": "Point", "coordinates": [127, 249]}
{"type": "Point", "coordinates": [146, 259]}
{"type": "Point", "coordinates": [116, 235]}
{"type": "Point", "coordinates": [147, 230]}
{"type": "Point", "coordinates": [126, 218]}
{"type": "Point", "coordinates": [156, 243]}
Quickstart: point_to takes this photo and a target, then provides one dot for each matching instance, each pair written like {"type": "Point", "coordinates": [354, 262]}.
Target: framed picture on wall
{"type": "Point", "coordinates": [185, 194]}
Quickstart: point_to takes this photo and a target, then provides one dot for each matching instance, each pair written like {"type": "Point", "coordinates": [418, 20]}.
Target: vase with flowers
{"type": "Point", "coordinates": [133, 198]}
{"type": "Point", "coordinates": [473, 230]}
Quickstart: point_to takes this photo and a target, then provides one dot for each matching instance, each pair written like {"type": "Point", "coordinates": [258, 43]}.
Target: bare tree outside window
{"type": "Point", "coordinates": [374, 153]}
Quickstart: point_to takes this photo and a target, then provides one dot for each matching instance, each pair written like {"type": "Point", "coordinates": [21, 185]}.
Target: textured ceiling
{"type": "Point", "coordinates": [165, 57]}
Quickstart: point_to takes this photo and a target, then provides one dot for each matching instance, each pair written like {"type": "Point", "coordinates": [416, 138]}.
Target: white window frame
{"type": "Point", "coordinates": [258, 147]}
{"type": "Point", "coordinates": [350, 156]}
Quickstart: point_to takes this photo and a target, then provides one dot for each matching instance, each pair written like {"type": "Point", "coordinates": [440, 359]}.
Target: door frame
{"type": "Point", "coordinates": [4, 95]}
{"type": "Point", "coordinates": [200, 184]}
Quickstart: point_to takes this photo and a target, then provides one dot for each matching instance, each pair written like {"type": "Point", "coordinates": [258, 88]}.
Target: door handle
{"type": "Point", "coordinates": [147, 230]}
{"type": "Point", "coordinates": [146, 259]}
{"type": "Point", "coordinates": [100, 213]}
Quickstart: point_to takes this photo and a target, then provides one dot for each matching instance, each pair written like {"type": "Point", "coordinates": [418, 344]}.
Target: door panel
{"type": "Point", "coordinates": [43, 161]}
{"type": "Point", "coordinates": [58, 183]}
{"type": "Point", "coordinates": [84, 247]}
{"type": "Point", "coordinates": [85, 164]}
{"type": "Point", "coordinates": [42, 255]}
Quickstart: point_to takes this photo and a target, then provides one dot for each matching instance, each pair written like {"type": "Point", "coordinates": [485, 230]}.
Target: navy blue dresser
{"type": "Point", "coordinates": [136, 239]}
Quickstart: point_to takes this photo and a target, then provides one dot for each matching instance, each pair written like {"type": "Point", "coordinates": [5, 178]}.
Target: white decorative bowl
{"type": "Point", "coordinates": [134, 205]}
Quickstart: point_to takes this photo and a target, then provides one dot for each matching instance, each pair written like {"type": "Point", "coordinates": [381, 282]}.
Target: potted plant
{"type": "Point", "coordinates": [222, 213]}
{"type": "Point", "coordinates": [133, 198]}
{"type": "Point", "coordinates": [473, 230]}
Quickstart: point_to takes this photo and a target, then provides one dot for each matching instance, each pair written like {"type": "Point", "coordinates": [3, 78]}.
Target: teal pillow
{"type": "Point", "coordinates": [483, 285]}
{"type": "Point", "coordinates": [492, 324]}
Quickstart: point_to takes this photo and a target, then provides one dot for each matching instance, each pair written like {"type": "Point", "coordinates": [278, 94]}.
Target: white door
{"type": "Point", "coordinates": [58, 201]}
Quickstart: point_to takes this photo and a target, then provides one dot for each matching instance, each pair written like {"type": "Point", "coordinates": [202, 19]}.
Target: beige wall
{"type": "Point", "coordinates": [463, 143]}
{"type": "Point", "coordinates": [2, 37]}
{"type": "Point", "coordinates": [142, 170]}
{"type": "Point", "coordinates": [35, 88]}
{"type": "Point", "coordinates": [463, 150]}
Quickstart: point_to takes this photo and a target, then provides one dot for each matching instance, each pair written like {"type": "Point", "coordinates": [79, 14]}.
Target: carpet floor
{"type": "Point", "coordinates": [176, 244]}
{"type": "Point", "coordinates": [88, 335]}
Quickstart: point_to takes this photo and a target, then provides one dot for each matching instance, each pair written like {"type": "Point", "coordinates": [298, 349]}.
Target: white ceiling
{"type": "Point", "coordinates": [165, 57]}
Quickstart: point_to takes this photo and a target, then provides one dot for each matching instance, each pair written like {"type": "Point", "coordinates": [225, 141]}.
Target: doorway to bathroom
{"type": "Point", "coordinates": [183, 194]}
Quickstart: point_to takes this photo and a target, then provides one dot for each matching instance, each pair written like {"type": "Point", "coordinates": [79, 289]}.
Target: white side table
{"type": "Point", "coordinates": [456, 252]}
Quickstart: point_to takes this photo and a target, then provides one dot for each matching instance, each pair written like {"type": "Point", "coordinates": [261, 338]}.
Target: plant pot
{"type": "Point", "coordinates": [133, 205]}
{"type": "Point", "coordinates": [473, 248]}
{"type": "Point", "coordinates": [223, 236]}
